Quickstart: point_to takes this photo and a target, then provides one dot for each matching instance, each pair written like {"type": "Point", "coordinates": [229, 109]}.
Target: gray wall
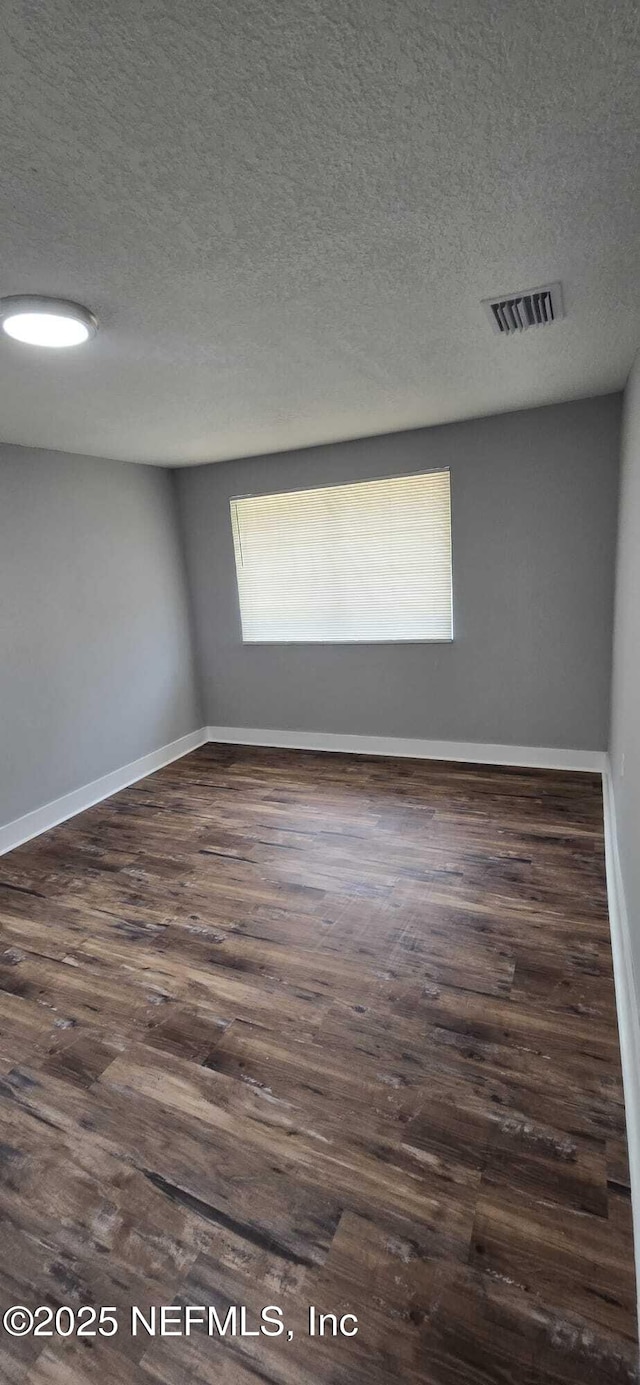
{"type": "Point", "coordinates": [625, 700]}
{"type": "Point", "coordinates": [96, 663]}
{"type": "Point", "coordinates": [534, 498]}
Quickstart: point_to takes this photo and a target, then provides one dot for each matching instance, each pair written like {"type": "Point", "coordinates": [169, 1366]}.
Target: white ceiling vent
{"type": "Point", "coordinates": [515, 312]}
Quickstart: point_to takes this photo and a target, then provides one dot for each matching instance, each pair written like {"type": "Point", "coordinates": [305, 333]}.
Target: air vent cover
{"type": "Point", "coordinates": [516, 312]}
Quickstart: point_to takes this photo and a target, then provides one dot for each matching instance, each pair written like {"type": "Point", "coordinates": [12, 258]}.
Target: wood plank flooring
{"type": "Point", "coordinates": [279, 1028]}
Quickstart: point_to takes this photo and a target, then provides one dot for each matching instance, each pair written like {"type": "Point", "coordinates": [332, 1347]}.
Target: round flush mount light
{"type": "Point", "coordinates": [52, 322]}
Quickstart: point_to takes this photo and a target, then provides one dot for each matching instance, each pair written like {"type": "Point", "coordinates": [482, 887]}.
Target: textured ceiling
{"type": "Point", "coordinates": [285, 213]}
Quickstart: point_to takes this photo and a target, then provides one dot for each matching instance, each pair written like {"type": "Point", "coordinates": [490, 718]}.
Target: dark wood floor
{"type": "Point", "coordinates": [284, 1028]}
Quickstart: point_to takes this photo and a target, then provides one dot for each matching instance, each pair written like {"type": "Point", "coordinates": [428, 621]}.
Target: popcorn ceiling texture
{"type": "Point", "coordinates": [285, 214]}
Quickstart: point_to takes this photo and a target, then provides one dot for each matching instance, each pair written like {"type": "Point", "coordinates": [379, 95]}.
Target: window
{"type": "Point", "coordinates": [341, 564]}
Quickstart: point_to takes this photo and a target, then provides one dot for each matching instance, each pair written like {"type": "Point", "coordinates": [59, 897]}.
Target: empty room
{"type": "Point", "coordinates": [319, 692]}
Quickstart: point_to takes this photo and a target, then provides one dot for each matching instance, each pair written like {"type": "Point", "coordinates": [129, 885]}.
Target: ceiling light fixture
{"type": "Point", "coordinates": [46, 321]}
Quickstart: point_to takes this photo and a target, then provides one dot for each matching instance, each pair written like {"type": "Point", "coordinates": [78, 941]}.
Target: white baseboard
{"type": "Point", "coordinates": [627, 1000]}
{"type": "Point", "coordinates": [43, 819]}
{"type": "Point", "coordinates": [50, 814]}
{"type": "Point", "coordinates": [473, 752]}
{"type": "Point", "coordinates": [528, 757]}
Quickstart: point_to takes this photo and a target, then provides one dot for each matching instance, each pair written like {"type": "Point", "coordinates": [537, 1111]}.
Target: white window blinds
{"type": "Point", "coordinates": [369, 561]}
